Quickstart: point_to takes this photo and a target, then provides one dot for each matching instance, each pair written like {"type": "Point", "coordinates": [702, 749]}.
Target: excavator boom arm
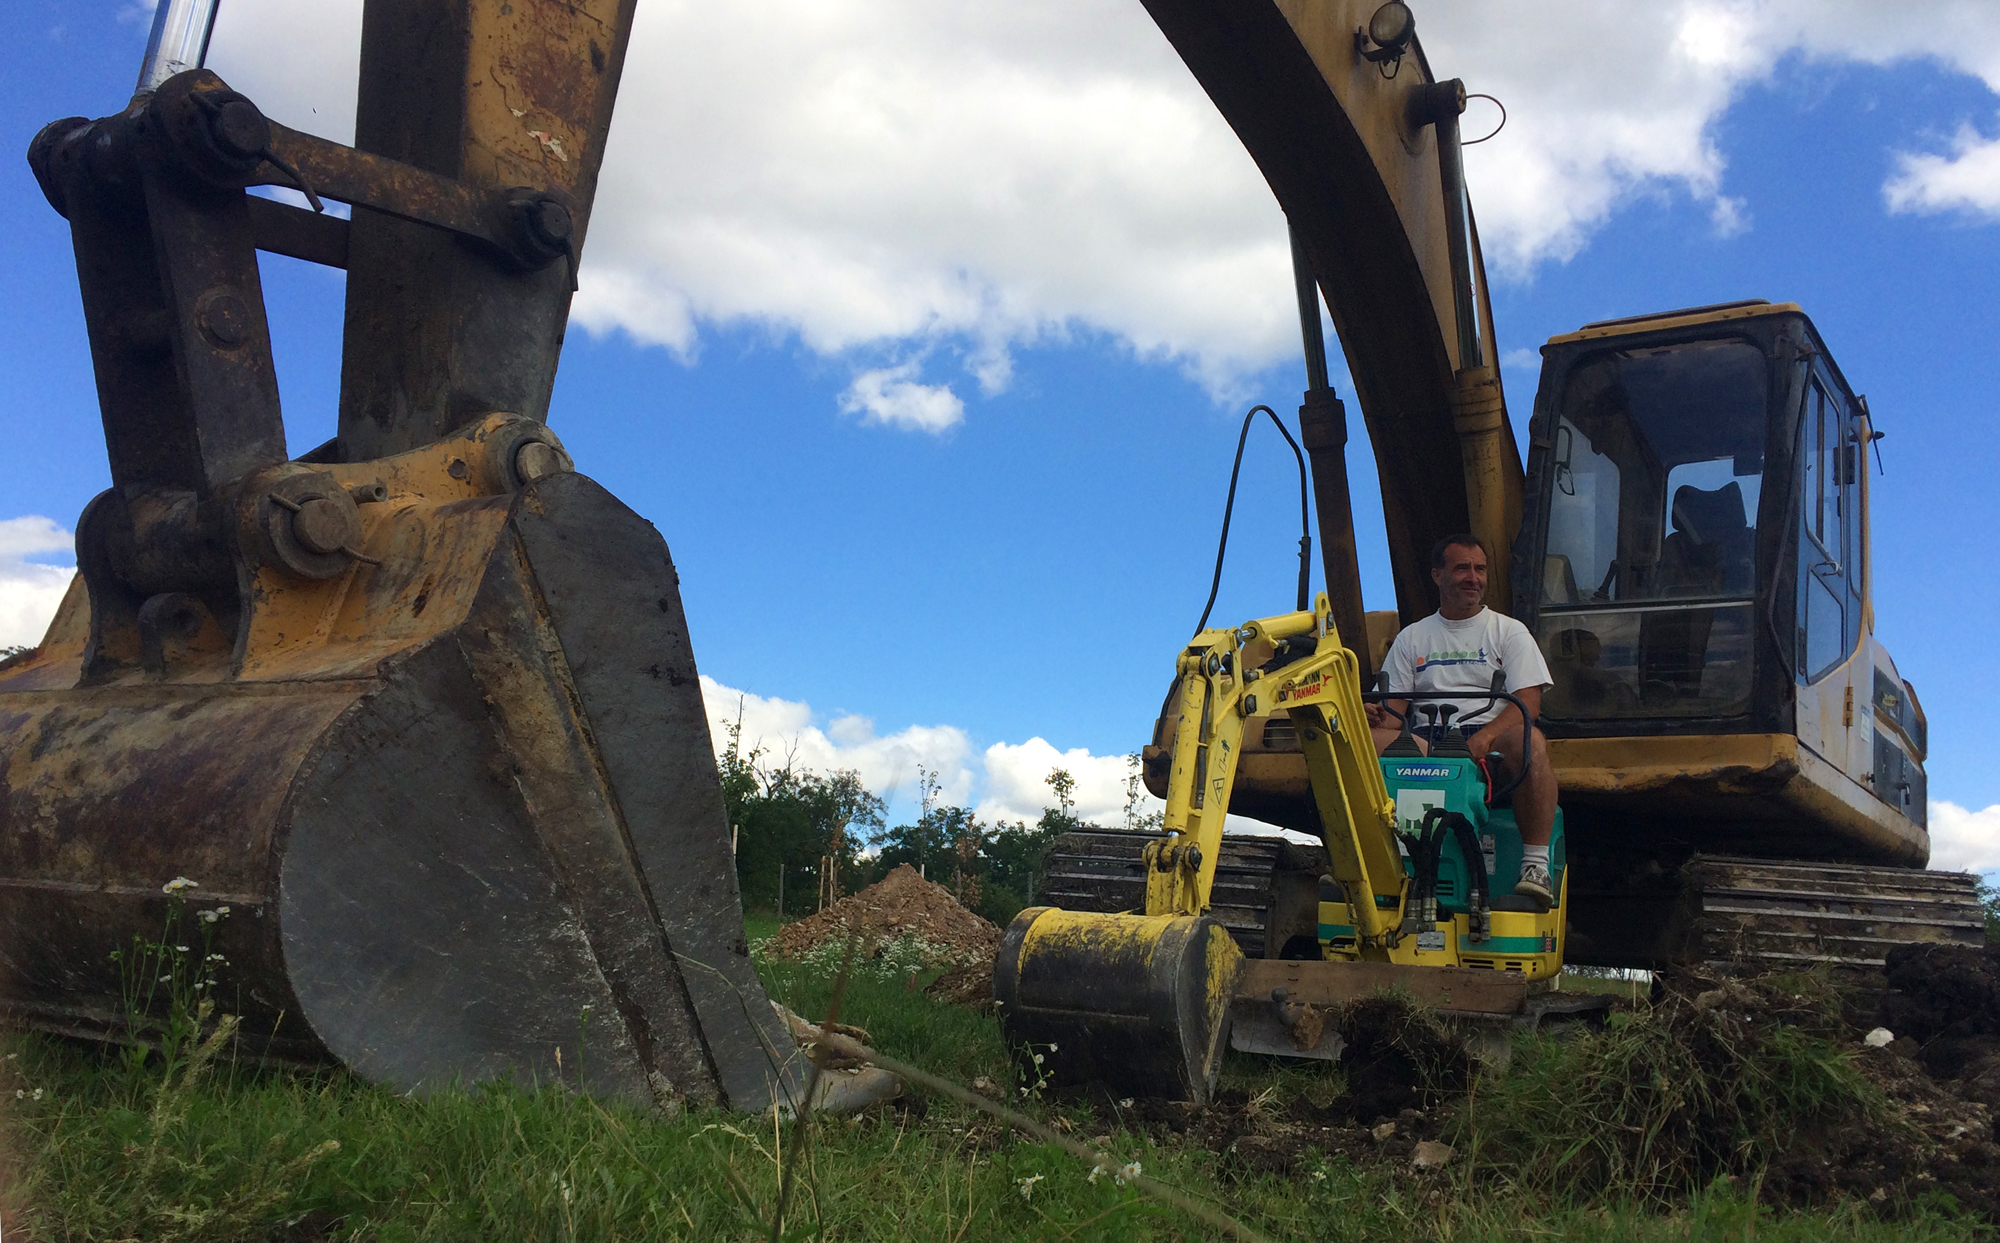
{"type": "Point", "coordinates": [1360, 148]}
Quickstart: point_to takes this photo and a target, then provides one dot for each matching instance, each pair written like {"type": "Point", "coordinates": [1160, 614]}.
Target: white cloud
{"type": "Point", "coordinates": [786, 731]}
{"type": "Point", "coordinates": [1017, 788]}
{"type": "Point", "coordinates": [889, 395]}
{"type": "Point", "coordinates": [1962, 840]}
{"type": "Point", "coordinates": [1008, 782]}
{"type": "Point", "coordinates": [31, 590]}
{"type": "Point", "coordinates": [1967, 180]}
{"type": "Point", "coordinates": [966, 179]}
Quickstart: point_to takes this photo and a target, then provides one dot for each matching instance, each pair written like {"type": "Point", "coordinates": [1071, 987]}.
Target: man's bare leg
{"type": "Point", "coordinates": [1534, 798]}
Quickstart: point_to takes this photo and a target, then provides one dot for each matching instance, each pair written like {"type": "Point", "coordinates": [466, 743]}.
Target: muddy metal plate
{"type": "Point", "coordinates": [493, 850]}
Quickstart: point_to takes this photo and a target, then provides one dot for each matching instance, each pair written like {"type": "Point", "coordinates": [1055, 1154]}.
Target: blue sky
{"type": "Point", "coordinates": [894, 592]}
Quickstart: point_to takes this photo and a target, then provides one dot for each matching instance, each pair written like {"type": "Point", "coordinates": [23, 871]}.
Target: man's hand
{"type": "Point", "coordinates": [1378, 717]}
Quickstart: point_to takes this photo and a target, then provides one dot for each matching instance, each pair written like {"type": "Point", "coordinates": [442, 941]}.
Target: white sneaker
{"type": "Point", "coordinates": [1536, 884]}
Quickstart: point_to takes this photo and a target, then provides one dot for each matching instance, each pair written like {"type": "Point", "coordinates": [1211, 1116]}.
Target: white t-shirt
{"type": "Point", "coordinates": [1439, 655]}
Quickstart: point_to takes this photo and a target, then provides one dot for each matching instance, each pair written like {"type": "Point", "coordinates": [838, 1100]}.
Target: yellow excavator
{"type": "Point", "coordinates": [1146, 1002]}
{"type": "Point", "coordinates": [1740, 765]}
{"type": "Point", "coordinates": [410, 722]}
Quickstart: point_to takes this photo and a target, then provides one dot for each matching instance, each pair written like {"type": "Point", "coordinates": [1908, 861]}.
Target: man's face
{"type": "Point", "coordinates": [1461, 582]}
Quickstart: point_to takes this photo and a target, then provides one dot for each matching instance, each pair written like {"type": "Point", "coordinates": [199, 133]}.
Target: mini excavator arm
{"type": "Point", "coordinates": [1304, 670]}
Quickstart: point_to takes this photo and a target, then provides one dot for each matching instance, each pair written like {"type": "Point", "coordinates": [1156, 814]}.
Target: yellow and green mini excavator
{"type": "Point", "coordinates": [1145, 1002]}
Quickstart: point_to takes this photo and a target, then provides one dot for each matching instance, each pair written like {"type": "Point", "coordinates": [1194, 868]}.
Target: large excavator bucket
{"type": "Point", "coordinates": [418, 708]}
{"type": "Point", "coordinates": [461, 805]}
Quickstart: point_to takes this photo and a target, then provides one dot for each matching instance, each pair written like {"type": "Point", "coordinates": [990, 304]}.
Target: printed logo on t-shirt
{"type": "Point", "coordinates": [1451, 658]}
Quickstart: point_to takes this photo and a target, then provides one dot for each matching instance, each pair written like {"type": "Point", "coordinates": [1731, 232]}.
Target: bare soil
{"type": "Point", "coordinates": [1932, 1136]}
{"type": "Point", "coordinates": [902, 903]}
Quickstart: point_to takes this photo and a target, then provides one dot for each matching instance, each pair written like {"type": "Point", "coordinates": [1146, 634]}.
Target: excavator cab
{"type": "Point", "coordinates": [1693, 561]}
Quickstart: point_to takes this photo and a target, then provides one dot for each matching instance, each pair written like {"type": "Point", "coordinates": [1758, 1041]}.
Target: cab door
{"type": "Point", "coordinates": [1830, 570]}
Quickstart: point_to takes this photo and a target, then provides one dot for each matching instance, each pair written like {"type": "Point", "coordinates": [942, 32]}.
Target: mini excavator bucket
{"type": "Point", "coordinates": [419, 709]}
{"type": "Point", "coordinates": [1137, 1003]}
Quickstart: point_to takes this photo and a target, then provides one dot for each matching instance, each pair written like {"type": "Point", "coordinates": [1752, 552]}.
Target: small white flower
{"type": "Point", "coordinates": [179, 884]}
{"type": "Point", "coordinates": [180, 949]}
{"type": "Point", "coordinates": [1125, 1102]}
{"type": "Point", "coordinates": [1130, 1171]}
{"type": "Point", "coordinates": [1318, 1176]}
{"type": "Point", "coordinates": [35, 1095]}
{"type": "Point", "coordinates": [166, 979]}
{"type": "Point", "coordinates": [209, 917]}
{"type": "Point", "coordinates": [1038, 1059]}
{"type": "Point", "coordinates": [215, 958]}
{"type": "Point", "coordinates": [1052, 1046]}
{"type": "Point", "coordinates": [1096, 1172]}
{"type": "Point", "coordinates": [1027, 1185]}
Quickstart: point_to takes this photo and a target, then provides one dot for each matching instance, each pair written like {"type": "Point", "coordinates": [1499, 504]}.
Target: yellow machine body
{"type": "Point", "coordinates": [1126, 998]}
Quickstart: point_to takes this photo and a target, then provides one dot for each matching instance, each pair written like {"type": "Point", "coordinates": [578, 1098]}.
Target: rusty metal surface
{"type": "Point", "coordinates": [491, 95]}
{"type": "Point", "coordinates": [419, 709]}
{"type": "Point", "coordinates": [461, 803]}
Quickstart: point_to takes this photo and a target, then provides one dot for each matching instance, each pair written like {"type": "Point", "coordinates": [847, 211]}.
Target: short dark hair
{"type": "Point", "coordinates": [1455, 541]}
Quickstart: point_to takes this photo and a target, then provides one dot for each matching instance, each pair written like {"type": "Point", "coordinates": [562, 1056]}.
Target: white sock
{"type": "Point", "coordinates": [1535, 854]}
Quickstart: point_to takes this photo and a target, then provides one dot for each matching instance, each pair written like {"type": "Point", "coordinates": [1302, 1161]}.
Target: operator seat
{"type": "Point", "coordinates": [1712, 550]}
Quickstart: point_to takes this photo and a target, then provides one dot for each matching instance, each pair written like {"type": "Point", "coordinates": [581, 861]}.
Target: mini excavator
{"type": "Point", "coordinates": [412, 719]}
{"type": "Point", "coordinates": [1146, 1002]}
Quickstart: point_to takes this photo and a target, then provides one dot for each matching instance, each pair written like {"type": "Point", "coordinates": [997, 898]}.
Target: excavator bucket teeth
{"type": "Point", "coordinates": [463, 812]}
{"type": "Point", "coordinates": [1138, 1003]}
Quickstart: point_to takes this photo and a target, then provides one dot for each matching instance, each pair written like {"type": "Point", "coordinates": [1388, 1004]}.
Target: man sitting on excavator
{"type": "Point", "coordinates": [1461, 647]}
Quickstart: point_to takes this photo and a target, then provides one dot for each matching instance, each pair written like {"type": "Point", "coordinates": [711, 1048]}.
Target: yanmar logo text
{"type": "Point", "coordinates": [1423, 772]}
{"type": "Point", "coordinates": [1306, 688]}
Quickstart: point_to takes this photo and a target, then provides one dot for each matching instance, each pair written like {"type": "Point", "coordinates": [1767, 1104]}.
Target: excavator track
{"type": "Point", "coordinates": [1749, 914]}
{"type": "Point", "coordinates": [1762, 915]}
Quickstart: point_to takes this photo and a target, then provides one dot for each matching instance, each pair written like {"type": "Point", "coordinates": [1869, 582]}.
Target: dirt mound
{"type": "Point", "coordinates": [901, 904]}
{"type": "Point", "coordinates": [1942, 990]}
{"type": "Point", "coordinates": [1943, 1002]}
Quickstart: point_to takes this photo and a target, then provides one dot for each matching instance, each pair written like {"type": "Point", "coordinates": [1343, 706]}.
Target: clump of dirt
{"type": "Point", "coordinates": [1397, 1056]}
{"type": "Point", "coordinates": [1946, 999]}
{"type": "Point", "coordinates": [901, 904]}
{"type": "Point", "coordinates": [967, 984]}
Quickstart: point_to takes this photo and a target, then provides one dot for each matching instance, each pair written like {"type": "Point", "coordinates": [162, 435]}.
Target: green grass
{"type": "Point", "coordinates": [230, 1153]}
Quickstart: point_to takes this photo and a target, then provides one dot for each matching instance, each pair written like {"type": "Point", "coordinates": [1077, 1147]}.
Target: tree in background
{"type": "Point", "coordinates": [1016, 855]}
{"type": "Point", "coordinates": [789, 817]}
{"type": "Point", "coordinates": [1135, 799]}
